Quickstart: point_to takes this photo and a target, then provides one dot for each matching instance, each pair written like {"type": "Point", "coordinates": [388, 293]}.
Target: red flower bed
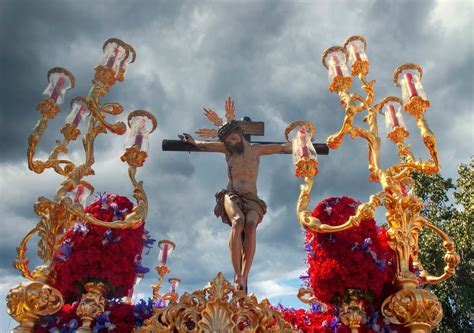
{"type": "Point", "coordinates": [358, 258]}
{"type": "Point", "coordinates": [93, 253]}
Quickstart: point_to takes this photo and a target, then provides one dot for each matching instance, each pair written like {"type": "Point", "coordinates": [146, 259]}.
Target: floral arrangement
{"type": "Point", "coordinates": [93, 253]}
{"type": "Point", "coordinates": [118, 317]}
{"type": "Point", "coordinates": [359, 259]}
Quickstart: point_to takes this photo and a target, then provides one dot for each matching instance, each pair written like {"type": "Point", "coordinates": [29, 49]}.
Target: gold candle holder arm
{"type": "Point", "coordinates": [451, 257]}
{"type": "Point", "coordinates": [306, 295]}
{"type": "Point", "coordinates": [49, 109]}
{"type": "Point", "coordinates": [21, 262]}
{"type": "Point", "coordinates": [306, 220]}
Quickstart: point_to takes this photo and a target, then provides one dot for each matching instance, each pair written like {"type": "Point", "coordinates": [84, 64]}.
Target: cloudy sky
{"type": "Point", "coordinates": [266, 55]}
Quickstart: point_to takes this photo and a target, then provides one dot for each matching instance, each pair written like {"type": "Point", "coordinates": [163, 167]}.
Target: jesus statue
{"type": "Point", "coordinates": [238, 204]}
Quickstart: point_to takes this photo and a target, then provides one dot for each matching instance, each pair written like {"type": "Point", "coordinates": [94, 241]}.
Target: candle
{"type": "Point", "coordinates": [138, 140]}
{"type": "Point", "coordinates": [409, 84]}
{"type": "Point", "coordinates": [337, 68]}
{"type": "Point", "coordinates": [111, 60]}
{"type": "Point", "coordinates": [355, 52]}
{"type": "Point", "coordinates": [304, 151]}
{"type": "Point", "coordinates": [78, 117]}
{"type": "Point", "coordinates": [174, 283]}
{"type": "Point", "coordinates": [393, 116]}
{"type": "Point", "coordinates": [164, 254]}
{"type": "Point", "coordinates": [57, 89]}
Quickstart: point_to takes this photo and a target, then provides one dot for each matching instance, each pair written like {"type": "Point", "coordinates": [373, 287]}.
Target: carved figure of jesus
{"type": "Point", "coordinates": [239, 205]}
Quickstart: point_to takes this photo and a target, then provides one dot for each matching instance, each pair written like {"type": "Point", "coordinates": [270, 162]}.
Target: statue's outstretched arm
{"type": "Point", "coordinates": [275, 148]}
{"type": "Point", "coordinates": [215, 146]}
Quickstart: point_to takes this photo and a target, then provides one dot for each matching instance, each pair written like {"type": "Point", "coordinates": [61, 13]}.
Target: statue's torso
{"type": "Point", "coordinates": [243, 169]}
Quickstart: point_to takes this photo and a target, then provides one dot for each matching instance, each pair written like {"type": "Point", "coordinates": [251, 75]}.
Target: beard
{"type": "Point", "coordinates": [238, 148]}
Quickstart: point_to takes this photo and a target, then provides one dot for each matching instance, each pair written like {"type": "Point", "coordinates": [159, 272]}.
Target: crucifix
{"type": "Point", "coordinates": [238, 204]}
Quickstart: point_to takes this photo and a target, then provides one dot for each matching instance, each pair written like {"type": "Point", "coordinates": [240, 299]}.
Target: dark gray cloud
{"type": "Point", "coordinates": [265, 55]}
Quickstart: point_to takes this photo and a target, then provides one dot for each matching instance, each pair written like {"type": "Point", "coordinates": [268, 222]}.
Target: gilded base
{"type": "Point", "coordinates": [360, 67]}
{"type": "Point", "coordinates": [398, 135]}
{"type": "Point", "coordinates": [29, 301]}
{"type": "Point", "coordinates": [134, 157]}
{"type": "Point", "coordinates": [340, 83]}
{"type": "Point", "coordinates": [416, 309]}
{"type": "Point", "coordinates": [306, 168]}
{"type": "Point", "coordinates": [92, 304]}
{"type": "Point", "coordinates": [417, 106]}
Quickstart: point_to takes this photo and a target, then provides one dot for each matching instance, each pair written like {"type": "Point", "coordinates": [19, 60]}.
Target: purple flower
{"type": "Point", "coordinates": [159, 303]}
{"type": "Point", "coordinates": [49, 320]}
{"type": "Point", "coordinates": [365, 248]}
{"type": "Point", "coordinates": [333, 324]}
{"type": "Point", "coordinates": [372, 321]}
{"type": "Point", "coordinates": [305, 277]}
{"type": "Point", "coordinates": [147, 241]}
{"type": "Point", "coordinates": [65, 249]}
{"type": "Point", "coordinates": [109, 238]}
{"type": "Point", "coordinates": [316, 307]}
{"type": "Point", "coordinates": [69, 327]}
{"type": "Point", "coordinates": [118, 213]}
{"type": "Point", "coordinates": [140, 271]}
{"type": "Point", "coordinates": [103, 321]}
{"type": "Point", "coordinates": [328, 238]}
{"type": "Point", "coordinates": [80, 227]}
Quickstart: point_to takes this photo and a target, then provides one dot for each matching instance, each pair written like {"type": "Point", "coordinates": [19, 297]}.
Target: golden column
{"type": "Point", "coordinates": [415, 308]}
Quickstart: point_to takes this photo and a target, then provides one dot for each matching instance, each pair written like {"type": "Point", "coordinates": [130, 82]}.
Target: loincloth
{"type": "Point", "coordinates": [245, 201]}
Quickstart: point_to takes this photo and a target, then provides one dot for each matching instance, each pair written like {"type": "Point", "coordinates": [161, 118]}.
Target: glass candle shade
{"type": "Point", "coordinates": [138, 134]}
{"type": "Point", "coordinates": [80, 194]}
{"type": "Point", "coordinates": [338, 75]}
{"type": "Point", "coordinates": [166, 247]}
{"type": "Point", "coordinates": [394, 122]}
{"type": "Point", "coordinates": [357, 57]}
{"type": "Point", "coordinates": [59, 84]}
{"type": "Point", "coordinates": [413, 94]}
{"type": "Point", "coordinates": [174, 284]}
{"type": "Point", "coordinates": [114, 54]}
{"type": "Point", "coordinates": [305, 158]}
{"type": "Point", "coordinates": [78, 112]}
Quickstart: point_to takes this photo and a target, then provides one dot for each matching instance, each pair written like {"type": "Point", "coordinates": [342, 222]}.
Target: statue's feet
{"type": "Point", "coordinates": [239, 283]}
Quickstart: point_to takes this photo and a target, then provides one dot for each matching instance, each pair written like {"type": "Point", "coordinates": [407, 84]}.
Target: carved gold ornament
{"type": "Point", "coordinates": [353, 313]}
{"type": "Point", "coordinates": [415, 308]}
{"type": "Point", "coordinates": [58, 214]}
{"type": "Point", "coordinates": [91, 305]}
{"type": "Point", "coordinates": [29, 301]}
{"type": "Point", "coordinates": [219, 307]}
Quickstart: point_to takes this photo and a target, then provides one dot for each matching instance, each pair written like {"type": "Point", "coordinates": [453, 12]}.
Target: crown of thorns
{"type": "Point", "coordinates": [223, 129]}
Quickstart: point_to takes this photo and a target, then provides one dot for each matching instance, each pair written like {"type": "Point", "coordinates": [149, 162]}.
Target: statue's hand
{"type": "Point", "coordinates": [186, 138]}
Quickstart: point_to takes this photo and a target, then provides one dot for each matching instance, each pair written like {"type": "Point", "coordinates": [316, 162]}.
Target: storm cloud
{"type": "Point", "coordinates": [266, 55]}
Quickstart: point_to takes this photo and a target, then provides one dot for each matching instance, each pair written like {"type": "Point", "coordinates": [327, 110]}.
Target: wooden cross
{"type": "Point", "coordinates": [249, 128]}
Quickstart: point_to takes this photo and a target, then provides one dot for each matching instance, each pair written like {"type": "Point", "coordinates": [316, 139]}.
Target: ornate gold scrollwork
{"type": "Point", "coordinates": [59, 214]}
{"type": "Point", "coordinates": [414, 308]}
{"type": "Point", "coordinates": [353, 313]}
{"type": "Point", "coordinates": [219, 307]}
{"type": "Point", "coordinates": [29, 301]}
{"type": "Point", "coordinates": [92, 304]}
{"type": "Point", "coordinates": [306, 220]}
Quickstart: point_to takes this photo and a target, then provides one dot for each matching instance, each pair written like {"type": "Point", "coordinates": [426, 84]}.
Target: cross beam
{"type": "Point", "coordinates": [249, 128]}
{"type": "Point", "coordinates": [177, 145]}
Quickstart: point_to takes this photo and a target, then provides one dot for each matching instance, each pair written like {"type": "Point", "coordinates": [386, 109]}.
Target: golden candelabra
{"type": "Point", "coordinates": [166, 247]}
{"type": "Point", "coordinates": [415, 308]}
{"type": "Point", "coordinates": [29, 301]}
